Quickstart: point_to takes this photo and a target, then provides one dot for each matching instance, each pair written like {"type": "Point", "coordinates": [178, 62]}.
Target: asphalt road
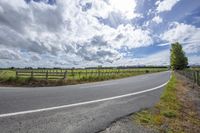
{"type": "Point", "coordinates": [84, 108]}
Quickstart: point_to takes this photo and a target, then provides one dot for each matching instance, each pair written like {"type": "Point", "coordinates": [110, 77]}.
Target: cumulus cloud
{"type": "Point", "coordinates": [126, 8]}
{"type": "Point", "coordinates": [78, 32]}
{"type": "Point", "coordinates": [188, 35]}
{"type": "Point", "coordinates": [8, 54]}
{"type": "Point", "coordinates": [132, 37]}
{"type": "Point", "coordinates": [165, 5]}
{"type": "Point", "coordinates": [69, 28]}
{"type": "Point", "coordinates": [194, 60]}
{"type": "Point", "coordinates": [102, 8]}
{"type": "Point", "coordinates": [179, 32]}
{"type": "Point", "coordinates": [159, 58]}
{"type": "Point", "coordinates": [157, 19]}
{"type": "Point", "coordinates": [35, 57]}
{"type": "Point", "coordinates": [97, 49]}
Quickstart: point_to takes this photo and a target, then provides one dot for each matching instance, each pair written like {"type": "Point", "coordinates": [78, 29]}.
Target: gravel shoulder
{"type": "Point", "coordinates": [127, 125]}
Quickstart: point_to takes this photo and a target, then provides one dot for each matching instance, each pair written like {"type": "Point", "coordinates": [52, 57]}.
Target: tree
{"type": "Point", "coordinates": [178, 60]}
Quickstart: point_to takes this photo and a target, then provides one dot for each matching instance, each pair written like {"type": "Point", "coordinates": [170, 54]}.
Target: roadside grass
{"type": "Point", "coordinates": [167, 108]}
{"type": "Point", "coordinates": [168, 115]}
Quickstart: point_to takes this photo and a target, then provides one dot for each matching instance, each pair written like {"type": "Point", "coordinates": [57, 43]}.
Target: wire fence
{"type": "Point", "coordinates": [193, 75]}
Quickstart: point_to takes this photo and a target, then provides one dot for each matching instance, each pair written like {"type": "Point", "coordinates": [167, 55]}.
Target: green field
{"type": "Point", "coordinates": [195, 68]}
{"type": "Point", "coordinates": [70, 76]}
{"type": "Point", "coordinates": [6, 74]}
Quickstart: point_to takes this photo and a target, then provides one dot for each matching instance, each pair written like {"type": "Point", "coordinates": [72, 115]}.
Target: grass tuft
{"type": "Point", "coordinates": [169, 113]}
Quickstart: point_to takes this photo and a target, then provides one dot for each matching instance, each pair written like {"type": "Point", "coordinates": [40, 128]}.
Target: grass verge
{"type": "Point", "coordinates": [168, 115]}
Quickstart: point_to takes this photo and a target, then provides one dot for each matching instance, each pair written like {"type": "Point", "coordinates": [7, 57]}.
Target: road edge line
{"type": "Point", "coordinates": [81, 103]}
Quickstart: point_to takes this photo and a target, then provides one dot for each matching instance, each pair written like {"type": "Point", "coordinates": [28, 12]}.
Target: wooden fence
{"type": "Point", "coordinates": [41, 74]}
{"type": "Point", "coordinates": [76, 74]}
{"type": "Point", "coordinates": [193, 75]}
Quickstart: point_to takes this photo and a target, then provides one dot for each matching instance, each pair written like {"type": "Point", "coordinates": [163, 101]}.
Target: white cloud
{"type": "Point", "coordinates": [160, 58]}
{"type": "Point", "coordinates": [188, 35]}
{"type": "Point", "coordinates": [7, 54]}
{"type": "Point", "coordinates": [179, 32]}
{"type": "Point", "coordinates": [67, 31]}
{"type": "Point", "coordinates": [165, 5]}
{"type": "Point", "coordinates": [125, 7]}
{"type": "Point", "coordinates": [194, 60]}
{"type": "Point", "coordinates": [101, 8]}
{"type": "Point", "coordinates": [34, 56]}
{"type": "Point", "coordinates": [157, 19]}
{"type": "Point", "coordinates": [132, 37]}
{"type": "Point", "coordinates": [1, 10]}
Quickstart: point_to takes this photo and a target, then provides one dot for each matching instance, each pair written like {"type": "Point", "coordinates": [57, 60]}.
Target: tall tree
{"type": "Point", "coordinates": [178, 60]}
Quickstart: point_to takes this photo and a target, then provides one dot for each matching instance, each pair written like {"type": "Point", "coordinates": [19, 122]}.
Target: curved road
{"type": "Point", "coordinates": [77, 108]}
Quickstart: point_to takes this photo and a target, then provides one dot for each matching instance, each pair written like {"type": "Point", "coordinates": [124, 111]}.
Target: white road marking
{"type": "Point", "coordinates": [81, 103]}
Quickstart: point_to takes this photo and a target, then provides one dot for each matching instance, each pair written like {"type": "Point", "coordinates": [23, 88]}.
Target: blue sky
{"type": "Point", "coordinates": [81, 33]}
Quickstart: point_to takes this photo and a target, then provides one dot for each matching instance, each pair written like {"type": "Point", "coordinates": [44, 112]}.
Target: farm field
{"type": "Point", "coordinates": [68, 76]}
{"type": "Point", "coordinates": [195, 68]}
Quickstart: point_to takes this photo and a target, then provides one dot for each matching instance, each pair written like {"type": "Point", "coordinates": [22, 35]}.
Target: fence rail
{"type": "Point", "coordinates": [193, 75]}
{"type": "Point", "coordinates": [76, 74]}
{"type": "Point", "coordinates": [41, 74]}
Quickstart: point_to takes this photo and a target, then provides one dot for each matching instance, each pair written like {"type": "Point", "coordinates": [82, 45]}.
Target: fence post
{"type": "Point", "coordinates": [16, 74]}
{"type": "Point", "coordinates": [47, 75]}
{"type": "Point", "coordinates": [31, 74]}
{"type": "Point", "coordinates": [72, 73]}
{"type": "Point", "coordinates": [98, 72]}
{"type": "Point", "coordinates": [65, 75]}
{"type": "Point", "coordinates": [194, 76]}
{"type": "Point", "coordinates": [198, 78]}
